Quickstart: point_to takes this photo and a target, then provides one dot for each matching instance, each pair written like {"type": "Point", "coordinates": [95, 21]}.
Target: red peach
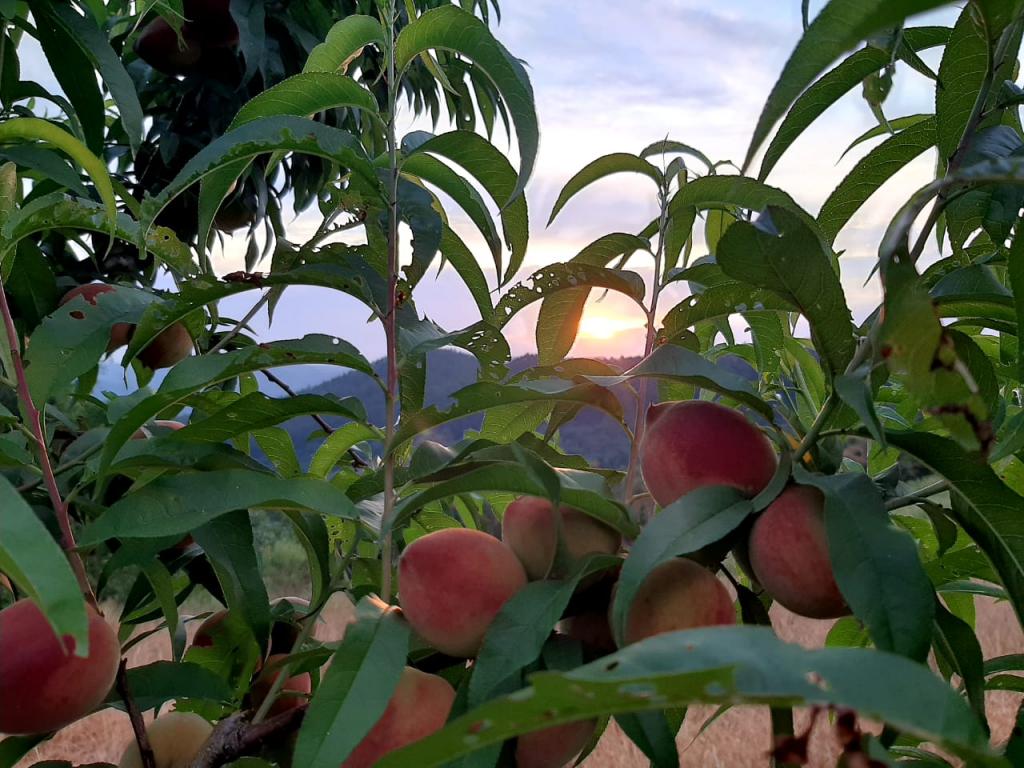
{"type": "Point", "coordinates": [789, 554]}
{"type": "Point", "coordinates": [452, 583]}
{"type": "Point", "coordinates": [687, 445]}
{"type": "Point", "coordinates": [554, 747]}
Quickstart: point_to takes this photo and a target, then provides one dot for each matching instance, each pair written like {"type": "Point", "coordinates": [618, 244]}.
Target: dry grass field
{"type": "Point", "coordinates": [739, 739]}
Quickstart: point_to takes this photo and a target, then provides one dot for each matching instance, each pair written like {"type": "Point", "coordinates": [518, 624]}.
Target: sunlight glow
{"type": "Point", "coordinates": [605, 327]}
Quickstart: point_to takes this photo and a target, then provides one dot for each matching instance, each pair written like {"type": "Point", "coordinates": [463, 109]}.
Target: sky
{"type": "Point", "coordinates": [612, 76]}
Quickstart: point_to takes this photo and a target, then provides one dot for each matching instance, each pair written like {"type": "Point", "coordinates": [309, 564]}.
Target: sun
{"type": "Point", "coordinates": [604, 327]}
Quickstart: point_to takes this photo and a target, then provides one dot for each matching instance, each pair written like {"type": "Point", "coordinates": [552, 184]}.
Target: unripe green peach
{"type": "Point", "coordinates": [176, 739]}
{"type": "Point", "coordinates": [43, 685]}
{"type": "Point", "coordinates": [531, 528]}
{"type": "Point", "coordinates": [452, 583]}
{"type": "Point", "coordinates": [554, 747]}
{"type": "Point", "coordinates": [691, 444]}
{"type": "Point", "coordinates": [678, 594]}
{"type": "Point", "coordinates": [418, 707]}
{"type": "Point", "coordinates": [789, 555]}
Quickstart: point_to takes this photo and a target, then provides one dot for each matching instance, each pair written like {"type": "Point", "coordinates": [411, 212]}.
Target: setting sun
{"type": "Point", "coordinates": [605, 327]}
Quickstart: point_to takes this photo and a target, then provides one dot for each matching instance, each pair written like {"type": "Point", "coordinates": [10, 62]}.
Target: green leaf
{"type": "Point", "coordinates": [256, 411]}
{"type": "Point", "coordinates": [559, 318]}
{"type": "Point", "coordinates": [13, 748]}
{"type": "Point", "coordinates": [39, 568]}
{"type": "Point", "coordinates": [780, 253]}
{"type": "Point", "coordinates": [582, 490]}
{"type": "Point", "coordinates": [876, 564]}
{"type": "Point", "coordinates": [344, 40]}
{"type": "Point", "coordinates": [94, 44]}
{"type": "Point", "coordinates": [34, 129]}
{"type": "Point", "coordinates": [517, 634]}
{"type": "Point", "coordinates": [957, 644]}
{"type": "Point", "coordinates": [485, 163]}
{"type": "Point", "coordinates": [566, 276]}
{"type": "Point", "coordinates": [987, 508]}
{"type": "Point", "coordinates": [360, 680]}
{"type": "Point", "coordinates": [432, 171]}
{"type": "Point", "coordinates": [719, 301]}
{"type": "Point", "coordinates": [177, 504]}
{"type": "Point", "coordinates": [895, 125]}
{"type": "Point", "coordinates": [1015, 272]}
{"type": "Point", "coordinates": [303, 95]}
{"type": "Point", "coordinates": [337, 445]}
{"type": "Point", "coordinates": [880, 165]}
{"type": "Point", "coordinates": [961, 73]}
{"type": "Point", "coordinates": [688, 524]}
{"type": "Point", "coordinates": [458, 254]}
{"type": "Point", "coordinates": [840, 26]}
{"type": "Point", "coordinates": [678, 364]}
{"type": "Point", "coordinates": [607, 165]}
{"type": "Point", "coordinates": [261, 136]}
{"type": "Point", "coordinates": [450, 28]}
{"type": "Point", "coordinates": [719, 665]}
{"type": "Point", "coordinates": [228, 543]}
{"type": "Point", "coordinates": [855, 391]}
{"type": "Point", "coordinates": [70, 342]}
{"type": "Point", "coordinates": [153, 685]}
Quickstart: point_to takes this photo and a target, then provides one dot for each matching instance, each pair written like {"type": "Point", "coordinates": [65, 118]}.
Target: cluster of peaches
{"type": "Point", "coordinates": [453, 583]}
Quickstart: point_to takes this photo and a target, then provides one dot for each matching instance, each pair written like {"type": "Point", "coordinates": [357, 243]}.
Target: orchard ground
{"type": "Point", "coordinates": [727, 743]}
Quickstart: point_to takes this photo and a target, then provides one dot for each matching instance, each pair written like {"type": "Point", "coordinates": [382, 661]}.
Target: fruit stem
{"type": "Point", "coordinates": [35, 422]}
{"type": "Point", "coordinates": [135, 717]}
{"type": "Point", "coordinates": [652, 314]}
{"type": "Point", "coordinates": [390, 317]}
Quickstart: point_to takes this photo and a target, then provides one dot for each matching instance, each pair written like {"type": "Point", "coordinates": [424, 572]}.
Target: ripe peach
{"type": "Point", "coordinates": [677, 595]}
{"type": "Point", "coordinates": [531, 529]}
{"type": "Point", "coordinates": [44, 685]}
{"type": "Point", "coordinates": [158, 45]}
{"type": "Point", "coordinates": [171, 346]}
{"type": "Point", "coordinates": [554, 747]}
{"type": "Point", "coordinates": [418, 707]}
{"type": "Point", "coordinates": [176, 739]}
{"type": "Point", "coordinates": [452, 583]}
{"type": "Point", "coordinates": [120, 333]}
{"type": "Point", "coordinates": [206, 635]}
{"type": "Point", "coordinates": [592, 630]}
{"type": "Point", "coordinates": [687, 445]}
{"type": "Point", "coordinates": [287, 699]}
{"type": "Point", "coordinates": [789, 554]}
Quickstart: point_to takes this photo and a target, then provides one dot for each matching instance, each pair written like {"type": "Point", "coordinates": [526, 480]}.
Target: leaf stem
{"type": "Point", "coordinates": [390, 316]}
{"type": "Point", "coordinates": [35, 423]}
{"type": "Point", "coordinates": [809, 439]}
{"type": "Point", "coordinates": [918, 496]}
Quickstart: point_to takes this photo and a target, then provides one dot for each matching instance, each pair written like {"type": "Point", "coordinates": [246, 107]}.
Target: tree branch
{"type": "Point", "coordinates": [235, 735]}
{"type": "Point", "coordinates": [135, 716]}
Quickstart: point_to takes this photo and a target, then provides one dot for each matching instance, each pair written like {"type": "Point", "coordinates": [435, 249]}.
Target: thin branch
{"type": "Point", "coordinates": [235, 736]}
{"type": "Point", "coordinates": [390, 317]}
{"type": "Point", "coordinates": [35, 423]}
{"type": "Point", "coordinates": [831, 403]}
{"type": "Point", "coordinates": [241, 323]}
{"type": "Point", "coordinates": [135, 716]}
{"type": "Point", "coordinates": [918, 496]}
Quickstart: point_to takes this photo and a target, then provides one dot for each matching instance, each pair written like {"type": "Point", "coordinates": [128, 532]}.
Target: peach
{"type": "Point", "coordinates": [687, 445]}
{"type": "Point", "coordinates": [554, 747]}
{"type": "Point", "coordinates": [120, 333]}
{"type": "Point", "coordinates": [44, 685]}
{"type": "Point", "coordinates": [789, 555]}
{"type": "Point", "coordinates": [291, 692]}
{"type": "Point", "coordinates": [592, 630]}
{"type": "Point", "coordinates": [678, 594]}
{"type": "Point", "coordinates": [531, 529]}
{"type": "Point", "coordinates": [173, 426]}
{"type": "Point", "coordinates": [452, 583]}
{"type": "Point", "coordinates": [418, 707]}
{"type": "Point", "coordinates": [206, 635]}
{"type": "Point", "coordinates": [171, 346]}
{"type": "Point", "coordinates": [158, 45]}
{"type": "Point", "coordinates": [176, 739]}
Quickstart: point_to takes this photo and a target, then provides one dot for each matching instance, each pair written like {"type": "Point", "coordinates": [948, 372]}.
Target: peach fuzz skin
{"type": "Point", "coordinates": [678, 594]}
{"type": "Point", "coordinates": [529, 528]}
{"type": "Point", "coordinates": [452, 583]}
{"type": "Point", "coordinates": [691, 444]}
{"type": "Point", "coordinates": [789, 555]}
{"type": "Point", "coordinates": [44, 685]}
{"type": "Point", "coordinates": [418, 707]}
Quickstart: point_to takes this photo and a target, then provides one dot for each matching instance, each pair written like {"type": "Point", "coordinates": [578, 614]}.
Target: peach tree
{"type": "Point", "coordinates": [511, 598]}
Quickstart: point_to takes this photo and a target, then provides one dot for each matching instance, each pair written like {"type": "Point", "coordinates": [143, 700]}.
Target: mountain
{"type": "Point", "coordinates": [592, 434]}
